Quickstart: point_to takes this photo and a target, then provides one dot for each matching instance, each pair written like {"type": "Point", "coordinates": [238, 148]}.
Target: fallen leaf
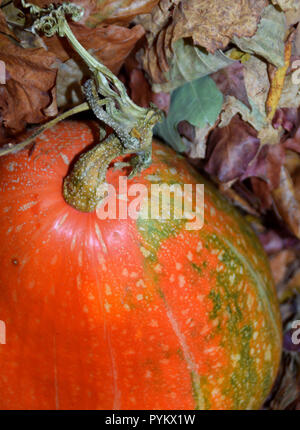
{"type": "Point", "coordinates": [142, 94]}
{"type": "Point", "coordinates": [111, 44]}
{"type": "Point", "coordinates": [257, 84]}
{"type": "Point", "coordinates": [197, 145]}
{"type": "Point", "coordinates": [267, 165]}
{"type": "Point", "coordinates": [118, 11]}
{"type": "Point", "coordinates": [231, 149]}
{"type": "Point", "coordinates": [213, 24]}
{"type": "Point", "coordinates": [199, 102]}
{"type": "Point", "coordinates": [210, 25]}
{"type": "Point", "coordinates": [184, 64]}
{"type": "Point", "coordinates": [68, 83]}
{"type": "Point", "coordinates": [286, 202]}
{"type": "Point", "coordinates": [277, 82]}
{"type": "Point", "coordinates": [268, 41]}
{"type": "Point", "coordinates": [230, 82]}
{"type": "Point", "coordinates": [232, 106]}
{"type": "Point", "coordinates": [279, 263]}
{"type": "Point", "coordinates": [286, 5]}
{"type": "Point", "coordinates": [30, 78]}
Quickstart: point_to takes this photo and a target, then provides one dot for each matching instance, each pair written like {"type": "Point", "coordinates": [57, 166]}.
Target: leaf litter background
{"type": "Point", "coordinates": [233, 65]}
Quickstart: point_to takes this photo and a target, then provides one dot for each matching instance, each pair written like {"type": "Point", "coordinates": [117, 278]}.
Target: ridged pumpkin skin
{"type": "Point", "coordinates": [125, 314]}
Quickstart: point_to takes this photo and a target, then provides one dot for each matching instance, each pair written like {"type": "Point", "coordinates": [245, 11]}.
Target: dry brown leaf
{"type": "Point", "coordinates": [141, 92]}
{"type": "Point", "coordinates": [231, 149]}
{"type": "Point", "coordinates": [279, 263]}
{"type": "Point", "coordinates": [118, 11]}
{"type": "Point", "coordinates": [111, 44]}
{"type": "Point", "coordinates": [30, 79]}
{"type": "Point", "coordinates": [286, 202]}
{"type": "Point", "coordinates": [210, 25]}
{"type": "Point", "coordinates": [109, 11]}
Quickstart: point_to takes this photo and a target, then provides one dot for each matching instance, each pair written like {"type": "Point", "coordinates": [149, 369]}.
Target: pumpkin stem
{"type": "Point", "coordinates": [106, 95]}
{"type": "Point", "coordinates": [84, 188]}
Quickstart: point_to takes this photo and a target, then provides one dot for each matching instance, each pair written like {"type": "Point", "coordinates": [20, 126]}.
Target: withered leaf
{"type": "Point", "coordinates": [267, 165]}
{"type": "Point", "coordinates": [210, 25]}
{"type": "Point", "coordinates": [142, 94]}
{"type": "Point", "coordinates": [230, 150]}
{"type": "Point", "coordinates": [268, 41]}
{"type": "Point", "coordinates": [187, 63]}
{"type": "Point", "coordinates": [111, 44]}
{"type": "Point", "coordinates": [118, 11]}
{"type": "Point", "coordinates": [30, 79]}
{"type": "Point", "coordinates": [213, 24]}
{"type": "Point", "coordinates": [286, 202]}
{"type": "Point", "coordinates": [112, 11]}
{"type": "Point", "coordinates": [230, 82]}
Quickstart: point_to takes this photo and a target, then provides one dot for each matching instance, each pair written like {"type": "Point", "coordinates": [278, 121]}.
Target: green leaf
{"type": "Point", "coordinates": [199, 102]}
{"type": "Point", "coordinates": [190, 62]}
{"type": "Point", "coordinates": [268, 41]}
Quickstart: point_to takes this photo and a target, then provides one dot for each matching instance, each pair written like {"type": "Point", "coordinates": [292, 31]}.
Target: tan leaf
{"type": "Point", "coordinates": [30, 78]}
{"type": "Point", "coordinates": [286, 4]}
{"type": "Point", "coordinates": [210, 25]}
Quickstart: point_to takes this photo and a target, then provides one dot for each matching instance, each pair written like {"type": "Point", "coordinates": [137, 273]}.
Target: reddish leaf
{"type": "Point", "coordinates": [267, 165]}
{"type": "Point", "coordinates": [30, 79]}
{"type": "Point", "coordinates": [230, 82]}
{"type": "Point", "coordinates": [231, 149]}
{"type": "Point", "coordinates": [111, 44]}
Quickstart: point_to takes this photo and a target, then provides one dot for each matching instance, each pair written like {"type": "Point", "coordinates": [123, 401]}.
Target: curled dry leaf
{"type": "Point", "coordinates": [286, 202]}
{"type": "Point", "coordinates": [230, 82]}
{"type": "Point", "coordinates": [30, 79]}
{"type": "Point", "coordinates": [279, 263]}
{"type": "Point", "coordinates": [118, 11]}
{"type": "Point", "coordinates": [111, 44]}
{"type": "Point", "coordinates": [267, 165]}
{"type": "Point", "coordinates": [112, 11]}
{"type": "Point", "coordinates": [211, 25]}
{"type": "Point", "coordinates": [230, 150]}
{"type": "Point", "coordinates": [141, 93]}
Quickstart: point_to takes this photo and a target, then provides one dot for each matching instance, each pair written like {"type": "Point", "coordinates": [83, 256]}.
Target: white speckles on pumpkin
{"type": "Point", "coordinates": [62, 220]}
{"type": "Point", "coordinates": [145, 252]}
{"type": "Point", "coordinates": [78, 281]}
{"type": "Point", "coordinates": [107, 290]}
{"type": "Point", "coordinates": [139, 297]}
{"type": "Point", "coordinates": [141, 283]}
{"type": "Point", "coordinates": [65, 158]}
{"type": "Point", "coordinates": [27, 206]}
{"type": "Point", "coordinates": [158, 268]}
{"type": "Point", "coordinates": [268, 354]}
{"type": "Point", "coordinates": [107, 306]}
{"type": "Point", "coordinates": [91, 297]}
{"type": "Point", "coordinates": [199, 246]}
{"type": "Point", "coordinates": [153, 323]}
{"type": "Point", "coordinates": [125, 272]}
{"type": "Point", "coordinates": [80, 258]}
{"type": "Point", "coordinates": [181, 280]}
{"type": "Point", "coordinates": [190, 256]}
{"type": "Point", "coordinates": [178, 266]}
{"type": "Point", "coordinates": [100, 238]}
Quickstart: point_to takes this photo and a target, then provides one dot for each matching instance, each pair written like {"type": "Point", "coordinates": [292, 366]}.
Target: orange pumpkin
{"type": "Point", "coordinates": [128, 314]}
